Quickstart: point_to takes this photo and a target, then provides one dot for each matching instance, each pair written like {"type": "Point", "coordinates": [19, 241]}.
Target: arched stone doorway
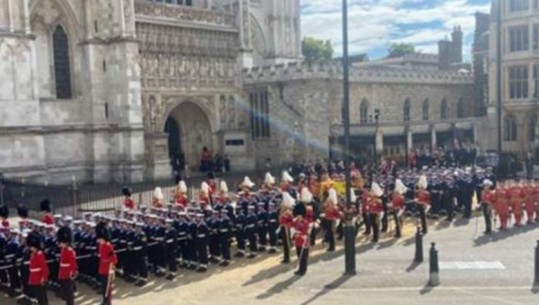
{"type": "Point", "coordinates": [189, 130]}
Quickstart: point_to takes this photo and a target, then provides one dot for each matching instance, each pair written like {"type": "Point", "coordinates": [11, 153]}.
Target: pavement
{"type": "Point", "coordinates": [475, 269]}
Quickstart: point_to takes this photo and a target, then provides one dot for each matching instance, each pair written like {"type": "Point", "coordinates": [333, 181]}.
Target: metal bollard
{"type": "Point", "coordinates": [434, 268]}
{"type": "Point", "coordinates": [418, 246]}
{"type": "Point", "coordinates": [536, 281]}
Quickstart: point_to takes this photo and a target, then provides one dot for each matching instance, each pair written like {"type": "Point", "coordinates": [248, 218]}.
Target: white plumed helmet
{"type": "Point", "coordinates": [204, 188]}
{"type": "Point", "coordinates": [224, 187]}
{"type": "Point", "coordinates": [286, 177]}
{"type": "Point", "coordinates": [353, 196]}
{"type": "Point", "coordinates": [306, 196]}
{"type": "Point", "coordinates": [332, 195]}
{"type": "Point", "coordinates": [422, 182]}
{"type": "Point", "coordinates": [288, 201]}
{"type": "Point", "coordinates": [247, 182]}
{"type": "Point", "coordinates": [376, 189]}
{"type": "Point", "coordinates": [269, 179]}
{"type": "Point", "coordinates": [182, 186]}
{"type": "Point", "coordinates": [400, 187]}
{"type": "Point", "coordinates": [158, 193]}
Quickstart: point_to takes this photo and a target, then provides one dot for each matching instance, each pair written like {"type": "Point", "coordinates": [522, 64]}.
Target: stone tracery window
{"type": "Point", "coordinates": [443, 110]}
{"type": "Point", "coordinates": [406, 110]}
{"type": "Point", "coordinates": [364, 111]}
{"type": "Point", "coordinates": [510, 128]}
{"type": "Point", "coordinates": [62, 66]}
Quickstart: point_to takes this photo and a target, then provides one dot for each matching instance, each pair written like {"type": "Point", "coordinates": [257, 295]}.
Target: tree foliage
{"type": "Point", "coordinates": [316, 49]}
{"type": "Point", "coordinates": [400, 49]}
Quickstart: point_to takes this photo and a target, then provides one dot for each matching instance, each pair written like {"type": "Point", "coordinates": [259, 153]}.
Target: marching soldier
{"type": "Point", "coordinates": [422, 199]}
{"type": "Point", "coordinates": [180, 197]}
{"type": "Point", "coordinates": [240, 229]}
{"type": "Point", "coordinates": [301, 240]}
{"type": "Point", "coordinates": [529, 202]}
{"type": "Point", "coordinates": [39, 271]}
{"type": "Point", "coordinates": [45, 207]}
{"type": "Point", "coordinates": [397, 204]}
{"type": "Point", "coordinates": [286, 182]}
{"type": "Point", "coordinates": [375, 208]}
{"type": "Point", "coordinates": [158, 200]}
{"type": "Point", "coordinates": [250, 231]}
{"type": "Point", "coordinates": [107, 262]}
{"type": "Point", "coordinates": [128, 203]}
{"type": "Point", "coordinates": [488, 197]}
{"type": "Point", "coordinates": [214, 239]}
{"type": "Point", "coordinates": [140, 254]}
{"type": "Point", "coordinates": [502, 204]}
{"type": "Point", "coordinates": [12, 249]}
{"type": "Point", "coordinates": [170, 249]}
{"type": "Point", "coordinates": [4, 217]}
{"type": "Point", "coordinates": [182, 226]}
{"type": "Point", "coordinates": [286, 219]}
{"type": "Point", "coordinates": [262, 226]}
{"type": "Point", "coordinates": [225, 228]}
{"type": "Point", "coordinates": [68, 267]}
{"type": "Point", "coordinates": [273, 226]}
{"type": "Point", "coordinates": [516, 203]}
{"type": "Point", "coordinates": [202, 243]}
{"type": "Point", "coordinates": [329, 217]}
{"type": "Point", "coordinates": [192, 242]}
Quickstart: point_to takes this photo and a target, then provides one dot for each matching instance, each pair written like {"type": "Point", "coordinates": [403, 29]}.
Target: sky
{"type": "Point", "coordinates": [375, 24]}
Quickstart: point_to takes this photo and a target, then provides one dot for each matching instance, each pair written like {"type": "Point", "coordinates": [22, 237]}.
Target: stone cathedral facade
{"type": "Point", "coordinates": [109, 90]}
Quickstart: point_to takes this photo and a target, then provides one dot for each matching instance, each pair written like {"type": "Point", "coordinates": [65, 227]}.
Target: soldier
{"type": "Point", "coordinates": [4, 279]}
{"type": "Point", "coordinates": [12, 248]}
{"type": "Point", "coordinates": [225, 228]}
{"type": "Point", "coordinates": [250, 231]}
{"type": "Point", "coordinates": [488, 197]}
{"type": "Point", "coordinates": [159, 236]}
{"type": "Point", "coordinates": [51, 250]}
{"type": "Point", "coordinates": [107, 262]}
{"type": "Point", "coordinates": [301, 240]}
{"type": "Point", "coordinates": [39, 271]}
{"type": "Point", "coordinates": [222, 199]}
{"type": "Point", "coordinates": [516, 203]}
{"type": "Point", "coordinates": [171, 236]}
{"type": "Point", "coordinates": [535, 198]}
{"type": "Point", "coordinates": [192, 242]}
{"type": "Point", "coordinates": [214, 239]}
{"type": "Point", "coordinates": [329, 217]}
{"type": "Point", "coordinates": [397, 205]}
{"type": "Point", "coordinates": [68, 267]}
{"type": "Point", "coordinates": [202, 243]}
{"type": "Point", "coordinates": [240, 232]}
{"type": "Point", "coordinates": [140, 254]}
{"type": "Point", "coordinates": [375, 209]}
{"type": "Point", "coordinates": [4, 217]}
{"type": "Point", "coordinates": [204, 199]}
{"type": "Point", "coordinates": [422, 199]}
{"type": "Point", "coordinates": [286, 182]}
{"type": "Point", "coordinates": [262, 226]}
{"type": "Point", "coordinates": [45, 207]}
{"type": "Point", "coordinates": [502, 204]}
{"type": "Point", "coordinates": [273, 226]}
{"type": "Point", "coordinates": [180, 196]}
{"type": "Point", "coordinates": [286, 219]}
{"type": "Point", "coordinates": [158, 199]}
{"type": "Point", "coordinates": [529, 202]}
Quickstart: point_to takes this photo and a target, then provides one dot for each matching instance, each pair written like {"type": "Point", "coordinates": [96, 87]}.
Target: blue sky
{"type": "Point", "coordinates": [375, 24]}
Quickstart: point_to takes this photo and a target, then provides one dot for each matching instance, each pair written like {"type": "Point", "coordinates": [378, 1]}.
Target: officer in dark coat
{"type": "Point", "coordinates": [273, 226]}
{"type": "Point", "coordinates": [213, 239]}
{"type": "Point", "coordinates": [140, 254]}
{"type": "Point", "coordinates": [250, 231]}
{"type": "Point", "coordinates": [240, 232]}
{"type": "Point", "coordinates": [262, 226]}
{"type": "Point", "coordinates": [225, 229]}
{"type": "Point", "coordinates": [202, 243]}
{"type": "Point", "coordinates": [171, 236]}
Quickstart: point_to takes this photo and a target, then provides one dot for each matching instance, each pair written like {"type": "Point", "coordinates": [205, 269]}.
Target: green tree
{"type": "Point", "coordinates": [316, 49]}
{"type": "Point", "coordinates": [400, 49]}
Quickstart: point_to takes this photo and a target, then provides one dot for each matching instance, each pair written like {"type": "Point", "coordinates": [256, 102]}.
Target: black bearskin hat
{"type": "Point", "coordinates": [102, 232]}
{"type": "Point", "coordinates": [64, 235]}
{"type": "Point", "coordinates": [299, 209]}
{"type": "Point", "coordinates": [4, 211]}
{"type": "Point", "coordinates": [211, 175]}
{"type": "Point", "coordinates": [33, 240]}
{"type": "Point", "coordinates": [22, 211]}
{"type": "Point", "coordinates": [126, 191]}
{"type": "Point", "coordinates": [45, 206]}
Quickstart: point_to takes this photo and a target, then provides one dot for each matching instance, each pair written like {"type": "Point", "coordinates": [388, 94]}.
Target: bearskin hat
{"type": "Point", "coordinates": [102, 232]}
{"type": "Point", "coordinates": [299, 209]}
{"type": "Point", "coordinates": [211, 175]}
{"type": "Point", "coordinates": [22, 211]}
{"type": "Point", "coordinates": [45, 206]}
{"type": "Point", "coordinates": [4, 211]}
{"type": "Point", "coordinates": [126, 191]}
{"type": "Point", "coordinates": [33, 240]}
{"type": "Point", "coordinates": [64, 235]}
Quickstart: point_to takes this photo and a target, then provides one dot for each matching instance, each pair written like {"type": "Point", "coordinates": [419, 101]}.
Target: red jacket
{"type": "Point", "coordinates": [48, 219]}
{"type": "Point", "coordinates": [39, 271]}
{"type": "Point", "coordinates": [181, 200]}
{"type": "Point", "coordinates": [332, 213]}
{"type": "Point", "coordinates": [398, 201]}
{"type": "Point", "coordinates": [68, 264]}
{"type": "Point", "coordinates": [286, 219]}
{"type": "Point", "coordinates": [488, 197]}
{"type": "Point", "coordinates": [302, 229]}
{"type": "Point", "coordinates": [129, 203]}
{"type": "Point", "coordinates": [423, 197]}
{"type": "Point", "coordinates": [107, 257]}
{"type": "Point", "coordinates": [5, 223]}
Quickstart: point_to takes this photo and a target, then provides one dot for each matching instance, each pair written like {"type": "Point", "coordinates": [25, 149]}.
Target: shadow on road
{"type": "Point", "coordinates": [501, 235]}
{"type": "Point", "coordinates": [412, 266]}
{"type": "Point", "coordinates": [327, 288]}
{"type": "Point", "coordinates": [278, 288]}
{"type": "Point", "coordinates": [426, 289]}
{"type": "Point", "coordinates": [535, 289]}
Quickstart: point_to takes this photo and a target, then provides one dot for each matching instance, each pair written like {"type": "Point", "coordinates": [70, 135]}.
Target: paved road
{"type": "Point", "coordinates": [475, 270]}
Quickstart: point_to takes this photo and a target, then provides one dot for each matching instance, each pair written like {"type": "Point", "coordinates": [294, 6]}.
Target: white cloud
{"type": "Point", "coordinates": [374, 24]}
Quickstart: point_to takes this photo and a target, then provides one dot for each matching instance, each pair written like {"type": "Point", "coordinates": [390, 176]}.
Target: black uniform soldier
{"type": "Point", "coordinates": [225, 228]}
{"type": "Point", "coordinates": [240, 229]}
{"type": "Point", "coordinates": [202, 243]}
{"type": "Point", "coordinates": [262, 226]}
{"type": "Point", "coordinates": [140, 254]}
{"type": "Point", "coordinates": [192, 242]}
{"type": "Point", "coordinates": [182, 227]}
{"type": "Point", "coordinates": [250, 231]}
{"type": "Point", "coordinates": [213, 239]}
{"type": "Point", "coordinates": [170, 249]}
{"type": "Point", "coordinates": [273, 226]}
{"type": "Point", "coordinates": [11, 251]}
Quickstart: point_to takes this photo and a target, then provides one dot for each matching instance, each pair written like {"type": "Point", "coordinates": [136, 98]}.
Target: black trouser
{"type": "Point", "coordinates": [385, 220]}
{"type": "Point", "coordinates": [263, 235]}
{"type": "Point", "coordinates": [202, 252]}
{"type": "Point", "coordinates": [182, 250]}
{"type": "Point", "coordinates": [240, 238]}
{"type": "Point", "coordinates": [398, 223]}
{"type": "Point", "coordinates": [368, 223]}
{"type": "Point", "coordinates": [312, 235]}
{"type": "Point", "coordinates": [375, 223]}
{"type": "Point", "coordinates": [423, 216]}
{"type": "Point", "coordinates": [214, 245]}
{"type": "Point", "coordinates": [106, 289]}
{"type": "Point", "coordinates": [487, 213]}
{"type": "Point", "coordinates": [191, 248]}
{"type": "Point", "coordinates": [224, 244]}
{"type": "Point", "coordinates": [140, 260]}
{"type": "Point", "coordinates": [14, 279]}
{"type": "Point", "coordinates": [329, 234]}
{"type": "Point", "coordinates": [450, 208]}
{"type": "Point", "coordinates": [285, 234]}
{"type": "Point", "coordinates": [253, 247]}
{"type": "Point", "coordinates": [303, 256]}
{"type": "Point", "coordinates": [170, 256]}
{"type": "Point", "coordinates": [468, 205]}
{"type": "Point", "coordinates": [38, 292]}
{"type": "Point", "coordinates": [68, 291]}
{"type": "Point", "coordinates": [273, 234]}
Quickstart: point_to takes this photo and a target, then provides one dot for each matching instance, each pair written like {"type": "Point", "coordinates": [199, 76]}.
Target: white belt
{"type": "Point", "coordinates": [35, 270]}
{"type": "Point", "coordinates": [168, 241]}
{"type": "Point", "coordinates": [201, 235]}
{"type": "Point", "coordinates": [137, 248]}
{"type": "Point", "coordinates": [65, 265]}
{"type": "Point", "coordinates": [250, 226]}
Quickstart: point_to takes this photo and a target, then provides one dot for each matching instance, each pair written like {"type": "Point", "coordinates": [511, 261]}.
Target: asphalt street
{"type": "Point", "coordinates": [475, 269]}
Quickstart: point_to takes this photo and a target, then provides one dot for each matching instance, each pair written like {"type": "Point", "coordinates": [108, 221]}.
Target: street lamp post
{"type": "Point", "coordinates": [499, 73]}
{"type": "Point", "coordinates": [376, 118]}
{"type": "Point", "coordinates": [349, 228]}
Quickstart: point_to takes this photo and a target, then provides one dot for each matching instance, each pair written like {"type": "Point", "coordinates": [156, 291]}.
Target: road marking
{"type": "Point", "coordinates": [478, 265]}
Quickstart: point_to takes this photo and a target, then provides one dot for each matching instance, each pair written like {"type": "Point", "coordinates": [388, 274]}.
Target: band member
{"type": "Point", "coordinates": [301, 240]}
{"type": "Point", "coordinates": [286, 182]}
{"type": "Point", "coordinates": [129, 203]}
{"type": "Point", "coordinates": [158, 200]}
{"type": "Point", "coordinates": [180, 195]}
{"type": "Point", "coordinates": [397, 205]}
{"type": "Point", "coordinates": [516, 193]}
{"type": "Point", "coordinates": [422, 199]}
{"type": "Point", "coordinates": [269, 183]}
{"type": "Point", "coordinates": [488, 197]}
{"type": "Point", "coordinates": [212, 185]}
{"type": "Point", "coordinates": [45, 207]}
{"type": "Point", "coordinates": [530, 203]}
{"type": "Point", "coordinates": [4, 217]}
{"type": "Point", "coordinates": [204, 195]}
{"type": "Point", "coordinates": [68, 267]}
{"type": "Point", "coordinates": [375, 209]}
{"type": "Point", "coordinates": [107, 262]}
{"type": "Point", "coordinates": [286, 219]}
{"type": "Point", "coordinates": [39, 271]}
{"type": "Point", "coordinates": [223, 194]}
{"type": "Point", "coordinates": [330, 216]}
{"type": "Point", "coordinates": [502, 204]}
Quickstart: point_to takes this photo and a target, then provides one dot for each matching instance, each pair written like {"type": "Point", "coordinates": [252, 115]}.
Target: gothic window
{"type": "Point", "coordinates": [518, 5]}
{"type": "Point", "coordinates": [364, 111]}
{"type": "Point", "coordinates": [426, 110]}
{"type": "Point", "coordinates": [406, 110]}
{"type": "Point", "coordinates": [519, 38]}
{"type": "Point", "coordinates": [443, 110]}
{"type": "Point", "coordinates": [260, 121]}
{"type": "Point", "coordinates": [62, 70]}
{"type": "Point", "coordinates": [518, 82]}
{"type": "Point", "coordinates": [532, 121]}
{"type": "Point", "coordinates": [510, 128]}
{"type": "Point", "coordinates": [461, 111]}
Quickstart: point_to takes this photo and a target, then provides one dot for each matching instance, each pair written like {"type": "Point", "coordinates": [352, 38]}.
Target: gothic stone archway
{"type": "Point", "coordinates": [189, 129]}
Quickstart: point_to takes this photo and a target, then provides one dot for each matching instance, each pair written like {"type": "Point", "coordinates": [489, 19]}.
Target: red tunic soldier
{"type": "Point", "coordinates": [516, 194]}
{"type": "Point", "coordinates": [45, 207]}
{"type": "Point", "coordinates": [204, 195]}
{"type": "Point", "coordinates": [158, 198]}
{"type": "Point", "coordinates": [502, 205]}
{"type": "Point", "coordinates": [529, 203]}
{"type": "Point", "coordinates": [107, 262]}
{"type": "Point", "coordinates": [286, 220]}
{"type": "Point", "coordinates": [375, 209]}
{"type": "Point", "coordinates": [301, 241]}
{"type": "Point", "coordinates": [422, 199]}
{"type": "Point", "coordinates": [68, 266]}
{"type": "Point", "coordinates": [39, 271]}
{"type": "Point", "coordinates": [331, 214]}
{"type": "Point", "coordinates": [180, 196]}
{"type": "Point", "coordinates": [535, 195]}
{"type": "Point", "coordinates": [129, 203]}
{"type": "Point", "coordinates": [397, 204]}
